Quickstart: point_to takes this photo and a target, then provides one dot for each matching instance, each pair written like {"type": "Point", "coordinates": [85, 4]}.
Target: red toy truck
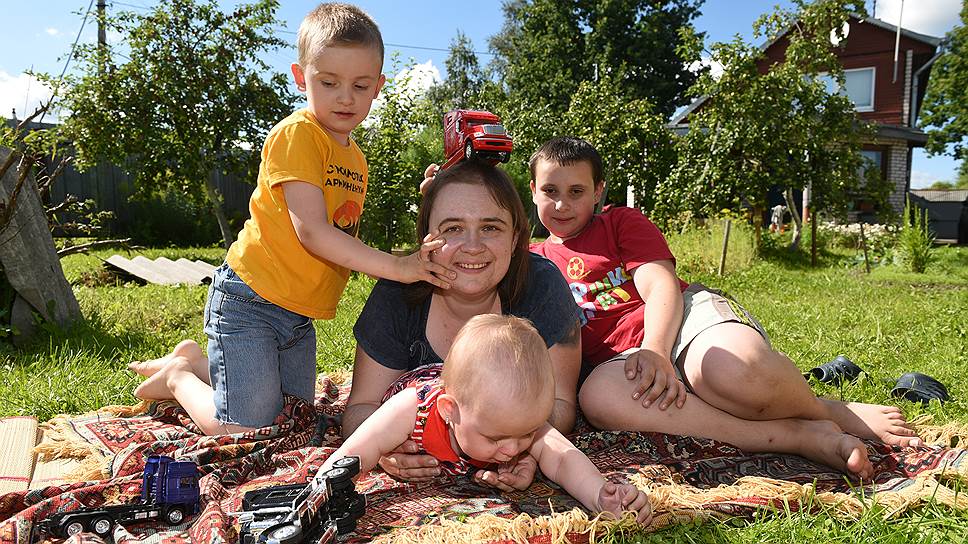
{"type": "Point", "coordinates": [472, 133]}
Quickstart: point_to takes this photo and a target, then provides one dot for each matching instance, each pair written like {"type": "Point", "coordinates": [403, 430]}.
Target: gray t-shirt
{"type": "Point", "coordinates": [393, 332]}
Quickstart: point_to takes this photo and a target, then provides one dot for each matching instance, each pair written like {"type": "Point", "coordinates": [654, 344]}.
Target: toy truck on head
{"type": "Point", "coordinates": [472, 133]}
{"type": "Point", "coordinates": [169, 493]}
{"type": "Point", "coordinates": [315, 512]}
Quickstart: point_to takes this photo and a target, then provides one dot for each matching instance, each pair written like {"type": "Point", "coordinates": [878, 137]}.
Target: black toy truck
{"type": "Point", "coordinates": [169, 493]}
{"type": "Point", "coordinates": [315, 512]}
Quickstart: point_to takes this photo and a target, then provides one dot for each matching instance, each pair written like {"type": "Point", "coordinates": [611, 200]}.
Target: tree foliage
{"type": "Point", "coordinates": [773, 126]}
{"type": "Point", "coordinates": [465, 79]}
{"type": "Point", "coordinates": [190, 95]}
{"type": "Point", "coordinates": [945, 107]}
{"type": "Point", "coordinates": [547, 48]}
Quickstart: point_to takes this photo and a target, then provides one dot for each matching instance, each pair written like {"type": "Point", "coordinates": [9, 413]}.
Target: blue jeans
{"type": "Point", "coordinates": [257, 352]}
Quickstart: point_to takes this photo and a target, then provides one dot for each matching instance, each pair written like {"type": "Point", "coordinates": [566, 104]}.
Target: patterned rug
{"type": "Point", "coordinates": [688, 478]}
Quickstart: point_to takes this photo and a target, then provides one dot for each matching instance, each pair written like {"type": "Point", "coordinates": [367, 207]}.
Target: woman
{"type": "Point", "coordinates": [477, 211]}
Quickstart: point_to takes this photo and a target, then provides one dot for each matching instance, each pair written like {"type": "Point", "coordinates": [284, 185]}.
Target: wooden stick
{"type": "Point", "coordinates": [722, 257]}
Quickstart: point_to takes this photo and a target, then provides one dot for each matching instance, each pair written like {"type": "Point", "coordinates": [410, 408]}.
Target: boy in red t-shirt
{"type": "Point", "coordinates": [663, 341]}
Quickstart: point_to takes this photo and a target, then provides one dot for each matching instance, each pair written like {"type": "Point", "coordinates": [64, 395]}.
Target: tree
{"type": "Point", "coordinates": [945, 108]}
{"type": "Point", "coordinates": [546, 48]}
{"type": "Point", "coordinates": [780, 126]}
{"type": "Point", "coordinates": [464, 82]}
{"type": "Point", "coordinates": [191, 98]}
{"type": "Point", "coordinates": [31, 278]}
{"type": "Point", "coordinates": [395, 163]}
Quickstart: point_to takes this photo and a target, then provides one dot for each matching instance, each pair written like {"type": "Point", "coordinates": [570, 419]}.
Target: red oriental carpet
{"type": "Point", "coordinates": [688, 478]}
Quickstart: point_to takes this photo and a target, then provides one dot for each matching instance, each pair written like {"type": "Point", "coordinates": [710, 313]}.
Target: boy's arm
{"type": "Point", "coordinates": [307, 211]}
{"type": "Point", "coordinates": [381, 433]}
{"type": "Point", "coordinates": [567, 466]}
{"type": "Point", "coordinates": [658, 286]}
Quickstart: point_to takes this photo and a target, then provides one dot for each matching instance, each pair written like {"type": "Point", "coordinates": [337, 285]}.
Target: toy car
{"type": "Point", "coordinates": [473, 133]}
{"type": "Point", "coordinates": [315, 512]}
{"type": "Point", "coordinates": [169, 492]}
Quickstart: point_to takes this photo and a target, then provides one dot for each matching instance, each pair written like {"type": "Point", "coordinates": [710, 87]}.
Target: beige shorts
{"type": "Point", "coordinates": [702, 308]}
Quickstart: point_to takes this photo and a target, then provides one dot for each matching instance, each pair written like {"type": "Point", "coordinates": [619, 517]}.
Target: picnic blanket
{"type": "Point", "coordinates": [688, 479]}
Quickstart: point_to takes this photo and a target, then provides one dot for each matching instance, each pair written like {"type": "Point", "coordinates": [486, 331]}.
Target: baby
{"type": "Point", "coordinates": [489, 407]}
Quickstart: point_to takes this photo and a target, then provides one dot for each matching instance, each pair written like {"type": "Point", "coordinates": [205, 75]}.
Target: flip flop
{"type": "Point", "coordinates": [917, 387]}
{"type": "Point", "coordinates": [833, 372]}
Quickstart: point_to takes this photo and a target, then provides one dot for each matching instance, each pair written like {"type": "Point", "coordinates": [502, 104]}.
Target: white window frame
{"type": "Point", "coordinates": [873, 71]}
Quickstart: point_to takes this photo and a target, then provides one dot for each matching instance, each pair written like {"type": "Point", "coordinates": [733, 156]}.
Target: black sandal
{"type": "Point", "coordinates": [833, 372]}
{"type": "Point", "coordinates": [917, 387]}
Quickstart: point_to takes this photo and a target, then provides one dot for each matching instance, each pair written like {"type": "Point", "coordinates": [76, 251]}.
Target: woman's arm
{"type": "Point", "coordinates": [370, 382]}
{"type": "Point", "coordinates": [566, 364]}
{"type": "Point", "coordinates": [387, 428]}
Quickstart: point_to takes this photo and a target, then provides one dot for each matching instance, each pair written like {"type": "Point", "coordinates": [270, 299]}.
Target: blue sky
{"type": "Point", "coordinates": [39, 38]}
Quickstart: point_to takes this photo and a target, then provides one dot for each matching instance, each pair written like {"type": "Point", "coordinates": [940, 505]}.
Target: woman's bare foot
{"type": "Point", "coordinates": [824, 442]}
{"type": "Point", "coordinates": [873, 421]}
{"type": "Point", "coordinates": [188, 349]}
{"type": "Point", "coordinates": [159, 385]}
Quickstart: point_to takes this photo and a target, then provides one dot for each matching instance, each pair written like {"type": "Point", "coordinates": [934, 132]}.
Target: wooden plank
{"type": "Point", "coordinates": [207, 270]}
{"type": "Point", "coordinates": [177, 272]}
{"type": "Point", "coordinates": [136, 267]}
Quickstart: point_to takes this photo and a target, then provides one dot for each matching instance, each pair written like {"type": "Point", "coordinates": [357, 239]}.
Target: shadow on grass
{"type": "Point", "coordinates": [777, 250]}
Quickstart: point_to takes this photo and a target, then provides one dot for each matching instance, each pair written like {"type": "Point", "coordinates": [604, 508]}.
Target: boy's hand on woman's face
{"type": "Point", "coordinates": [420, 266]}
{"type": "Point", "coordinates": [619, 498]}
{"type": "Point", "coordinates": [657, 379]}
{"type": "Point", "coordinates": [514, 475]}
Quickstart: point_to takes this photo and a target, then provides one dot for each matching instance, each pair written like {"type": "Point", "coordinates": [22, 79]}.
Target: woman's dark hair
{"type": "Point", "coordinates": [501, 189]}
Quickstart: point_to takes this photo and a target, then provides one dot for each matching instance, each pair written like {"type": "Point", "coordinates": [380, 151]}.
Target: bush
{"type": "Point", "coordinates": [170, 218]}
{"type": "Point", "coordinates": [881, 239]}
{"type": "Point", "coordinates": [915, 241]}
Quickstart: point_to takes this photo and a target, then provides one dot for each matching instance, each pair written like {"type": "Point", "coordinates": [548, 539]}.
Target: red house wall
{"type": "Point", "coordinates": [868, 45]}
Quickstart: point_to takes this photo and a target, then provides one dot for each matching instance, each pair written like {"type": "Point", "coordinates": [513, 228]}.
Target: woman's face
{"type": "Point", "coordinates": [479, 237]}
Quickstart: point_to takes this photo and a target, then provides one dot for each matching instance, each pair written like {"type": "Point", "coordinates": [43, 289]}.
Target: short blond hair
{"type": "Point", "coordinates": [336, 24]}
{"type": "Point", "coordinates": [498, 351]}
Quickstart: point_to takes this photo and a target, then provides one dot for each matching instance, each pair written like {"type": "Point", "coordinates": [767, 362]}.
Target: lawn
{"type": "Point", "coordinates": [889, 322]}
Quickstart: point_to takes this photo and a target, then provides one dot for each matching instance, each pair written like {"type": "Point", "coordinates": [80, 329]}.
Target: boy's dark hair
{"type": "Point", "coordinates": [501, 189]}
{"type": "Point", "coordinates": [568, 150]}
{"type": "Point", "coordinates": [336, 24]}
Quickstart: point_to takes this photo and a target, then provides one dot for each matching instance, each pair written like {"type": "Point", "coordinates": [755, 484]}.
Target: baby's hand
{"type": "Point", "coordinates": [419, 266]}
{"type": "Point", "coordinates": [619, 498]}
{"type": "Point", "coordinates": [516, 474]}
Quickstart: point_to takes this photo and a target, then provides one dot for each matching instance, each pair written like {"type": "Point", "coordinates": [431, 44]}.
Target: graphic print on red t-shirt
{"type": "Point", "coordinates": [598, 265]}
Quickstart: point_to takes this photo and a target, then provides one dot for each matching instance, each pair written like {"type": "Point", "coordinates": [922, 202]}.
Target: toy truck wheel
{"type": "Point", "coordinates": [282, 534]}
{"type": "Point", "coordinates": [351, 464]}
{"type": "Point", "coordinates": [175, 515]}
{"type": "Point", "coordinates": [73, 526]}
{"type": "Point", "coordinates": [102, 525]}
{"type": "Point", "coordinates": [468, 151]}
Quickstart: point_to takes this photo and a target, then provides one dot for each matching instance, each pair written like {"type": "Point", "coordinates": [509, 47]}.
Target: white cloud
{"type": "Point", "coordinates": [715, 67]}
{"type": "Point", "coordinates": [921, 179]}
{"type": "Point", "coordinates": [931, 17]}
{"type": "Point", "coordinates": [22, 93]}
{"type": "Point", "coordinates": [51, 31]}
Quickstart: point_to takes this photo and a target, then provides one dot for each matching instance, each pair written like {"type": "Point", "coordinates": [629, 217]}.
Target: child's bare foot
{"type": "Point", "coordinates": [158, 385]}
{"type": "Point", "coordinates": [874, 421]}
{"type": "Point", "coordinates": [824, 442]}
{"type": "Point", "coordinates": [188, 349]}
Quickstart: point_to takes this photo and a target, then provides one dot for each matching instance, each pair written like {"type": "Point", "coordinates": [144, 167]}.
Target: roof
{"type": "Point", "coordinates": [935, 195]}
{"type": "Point", "coordinates": [930, 40]}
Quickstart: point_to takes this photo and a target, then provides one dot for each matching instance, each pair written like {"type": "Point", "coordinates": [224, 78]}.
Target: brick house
{"type": "Point", "coordinates": [890, 101]}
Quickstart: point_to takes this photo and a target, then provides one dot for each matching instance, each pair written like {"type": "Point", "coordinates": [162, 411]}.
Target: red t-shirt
{"type": "Point", "coordinates": [598, 266]}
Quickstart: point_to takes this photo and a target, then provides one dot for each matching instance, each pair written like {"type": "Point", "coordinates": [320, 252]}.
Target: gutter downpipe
{"type": "Point", "coordinates": [914, 84]}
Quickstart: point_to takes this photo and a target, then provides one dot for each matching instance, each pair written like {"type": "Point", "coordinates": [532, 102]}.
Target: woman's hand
{"type": "Point", "coordinates": [657, 379]}
{"type": "Point", "coordinates": [514, 475]}
{"type": "Point", "coordinates": [619, 498]}
{"type": "Point", "coordinates": [406, 464]}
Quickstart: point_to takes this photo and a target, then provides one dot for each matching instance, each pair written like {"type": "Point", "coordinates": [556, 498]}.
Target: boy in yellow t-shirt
{"type": "Point", "coordinates": [293, 257]}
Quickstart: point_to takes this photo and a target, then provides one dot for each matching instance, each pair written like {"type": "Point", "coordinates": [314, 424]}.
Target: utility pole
{"type": "Point", "coordinates": [102, 35]}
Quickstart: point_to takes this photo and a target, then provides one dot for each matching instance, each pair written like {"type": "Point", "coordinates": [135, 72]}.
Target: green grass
{"type": "Point", "coordinates": [889, 322]}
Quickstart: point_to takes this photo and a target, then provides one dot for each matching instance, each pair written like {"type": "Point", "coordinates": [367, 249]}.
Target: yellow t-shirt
{"type": "Point", "coordinates": [268, 256]}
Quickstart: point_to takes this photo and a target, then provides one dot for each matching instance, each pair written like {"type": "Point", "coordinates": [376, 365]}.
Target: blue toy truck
{"type": "Point", "coordinates": [315, 512]}
{"type": "Point", "coordinates": [169, 492]}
